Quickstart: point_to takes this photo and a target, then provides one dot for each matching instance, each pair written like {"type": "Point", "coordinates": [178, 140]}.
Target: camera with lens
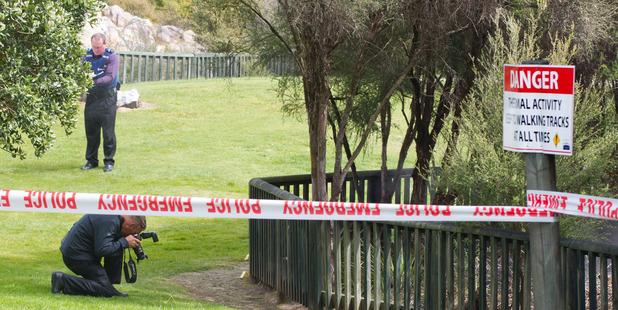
{"type": "Point", "coordinates": [139, 251]}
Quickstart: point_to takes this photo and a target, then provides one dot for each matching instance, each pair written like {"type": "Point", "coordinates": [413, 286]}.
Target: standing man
{"type": "Point", "coordinates": [93, 238]}
{"type": "Point", "coordinates": [100, 111]}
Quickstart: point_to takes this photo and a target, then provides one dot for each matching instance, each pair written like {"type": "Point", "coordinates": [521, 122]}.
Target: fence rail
{"type": "Point", "coordinates": [411, 265]}
{"type": "Point", "coordinates": [136, 67]}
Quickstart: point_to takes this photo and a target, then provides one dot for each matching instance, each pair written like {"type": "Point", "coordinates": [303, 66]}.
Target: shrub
{"type": "Point", "coordinates": [480, 172]}
{"type": "Point", "coordinates": [41, 75]}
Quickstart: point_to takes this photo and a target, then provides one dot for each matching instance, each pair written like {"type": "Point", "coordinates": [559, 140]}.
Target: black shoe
{"type": "Point", "coordinates": [108, 168]}
{"type": "Point", "coordinates": [123, 295]}
{"type": "Point", "coordinates": [89, 166]}
{"type": "Point", "coordinates": [57, 284]}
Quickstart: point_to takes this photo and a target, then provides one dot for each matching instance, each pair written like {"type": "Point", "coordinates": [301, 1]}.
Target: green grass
{"type": "Point", "coordinates": [202, 138]}
{"type": "Point", "coordinates": [29, 252]}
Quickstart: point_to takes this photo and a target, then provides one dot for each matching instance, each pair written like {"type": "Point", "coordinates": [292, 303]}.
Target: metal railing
{"type": "Point", "coordinates": [411, 265]}
{"type": "Point", "coordinates": [136, 67]}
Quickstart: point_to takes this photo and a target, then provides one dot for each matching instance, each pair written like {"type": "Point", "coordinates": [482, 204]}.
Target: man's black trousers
{"type": "Point", "coordinates": [97, 280]}
{"type": "Point", "coordinates": [100, 116]}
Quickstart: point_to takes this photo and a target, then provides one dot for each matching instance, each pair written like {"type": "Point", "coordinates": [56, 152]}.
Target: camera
{"type": "Point", "coordinates": [139, 251]}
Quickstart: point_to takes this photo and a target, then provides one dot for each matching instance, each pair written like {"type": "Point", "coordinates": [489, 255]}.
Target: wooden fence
{"type": "Point", "coordinates": [411, 265]}
{"type": "Point", "coordinates": [136, 67]}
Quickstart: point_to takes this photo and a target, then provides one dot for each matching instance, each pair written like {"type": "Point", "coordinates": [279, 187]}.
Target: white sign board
{"type": "Point", "coordinates": [538, 109]}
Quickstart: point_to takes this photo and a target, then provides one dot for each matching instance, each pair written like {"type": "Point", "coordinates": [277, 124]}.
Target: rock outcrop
{"type": "Point", "coordinates": [126, 32]}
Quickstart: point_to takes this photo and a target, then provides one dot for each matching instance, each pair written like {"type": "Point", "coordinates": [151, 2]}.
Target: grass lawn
{"type": "Point", "coordinates": [199, 138]}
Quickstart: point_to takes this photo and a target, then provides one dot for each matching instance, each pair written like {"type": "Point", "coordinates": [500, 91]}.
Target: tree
{"type": "Point", "coordinates": [443, 53]}
{"type": "Point", "coordinates": [354, 60]}
{"type": "Point", "coordinates": [354, 57]}
{"type": "Point", "coordinates": [309, 31]}
{"type": "Point", "coordinates": [41, 76]}
{"type": "Point", "coordinates": [594, 27]}
{"type": "Point", "coordinates": [478, 163]}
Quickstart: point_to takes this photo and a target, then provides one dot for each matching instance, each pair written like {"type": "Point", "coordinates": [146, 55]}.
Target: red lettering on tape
{"type": "Point", "coordinates": [132, 203]}
{"type": "Point", "coordinates": [240, 206]}
{"type": "Point", "coordinates": [339, 208]}
{"type": "Point", "coordinates": [328, 208]}
{"type": "Point", "coordinates": [174, 203]}
{"type": "Point", "coordinates": [286, 208]}
{"type": "Point", "coordinates": [614, 213]}
{"type": "Point", "coordinates": [120, 202]}
{"type": "Point", "coordinates": [60, 200]}
{"type": "Point", "coordinates": [188, 206]}
{"type": "Point", "coordinates": [597, 206]}
{"type": "Point", "coordinates": [497, 211]}
{"type": "Point", "coordinates": [4, 198]}
{"type": "Point", "coordinates": [28, 199]}
{"type": "Point", "coordinates": [510, 212]}
{"type": "Point", "coordinates": [142, 203]}
{"type": "Point", "coordinates": [152, 203]}
{"type": "Point", "coordinates": [547, 201]}
{"type": "Point", "coordinates": [376, 210]}
{"type": "Point", "coordinates": [415, 210]}
{"type": "Point", "coordinates": [246, 206]}
{"type": "Point", "coordinates": [433, 209]}
{"type": "Point", "coordinates": [163, 204]}
{"type": "Point", "coordinates": [45, 200]}
{"type": "Point", "coordinates": [319, 209]}
{"type": "Point", "coordinates": [408, 210]}
{"type": "Point", "coordinates": [102, 205]}
{"type": "Point", "coordinates": [608, 207]}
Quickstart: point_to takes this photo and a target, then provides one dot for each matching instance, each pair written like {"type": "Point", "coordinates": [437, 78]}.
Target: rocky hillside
{"type": "Point", "coordinates": [126, 32]}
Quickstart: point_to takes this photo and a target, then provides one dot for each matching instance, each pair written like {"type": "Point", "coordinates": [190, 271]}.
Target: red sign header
{"type": "Point", "coordinates": [539, 79]}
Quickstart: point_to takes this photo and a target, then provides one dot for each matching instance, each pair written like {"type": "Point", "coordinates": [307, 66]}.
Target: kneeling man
{"type": "Point", "coordinates": [92, 239]}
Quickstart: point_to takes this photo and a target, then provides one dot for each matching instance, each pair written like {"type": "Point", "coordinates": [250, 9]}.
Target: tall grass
{"type": "Point", "coordinates": [204, 138]}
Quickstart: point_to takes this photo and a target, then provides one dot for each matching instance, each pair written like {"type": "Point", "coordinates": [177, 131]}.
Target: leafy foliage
{"type": "Point", "coordinates": [354, 57]}
{"type": "Point", "coordinates": [480, 172]}
{"type": "Point", "coordinates": [479, 163]}
{"type": "Point", "coordinates": [41, 73]}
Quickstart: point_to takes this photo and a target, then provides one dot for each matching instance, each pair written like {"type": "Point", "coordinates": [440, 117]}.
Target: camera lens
{"type": "Point", "coordinates": [139, 252]}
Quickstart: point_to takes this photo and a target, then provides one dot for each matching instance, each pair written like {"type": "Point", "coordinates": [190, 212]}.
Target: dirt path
{"type": "Point", "coordinates": [226, 287]}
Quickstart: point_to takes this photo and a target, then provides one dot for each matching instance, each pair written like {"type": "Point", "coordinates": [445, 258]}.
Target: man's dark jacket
{"type": "Point", "coordinates": [93, 237]}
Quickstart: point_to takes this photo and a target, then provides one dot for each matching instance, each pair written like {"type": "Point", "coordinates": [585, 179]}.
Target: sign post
{"type": "Point", "coordinates": [538, 120]}
{"type": "Point", "coordinates": [547, 278]}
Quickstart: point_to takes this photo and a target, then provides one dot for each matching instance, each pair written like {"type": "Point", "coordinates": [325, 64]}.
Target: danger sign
{"type": "Point", "coordinates": [538, 109]}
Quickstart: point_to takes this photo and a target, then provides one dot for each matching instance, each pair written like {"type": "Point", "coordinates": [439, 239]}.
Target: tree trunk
{"type": "Point", "coordinates": [317, 92]}
{"type": "Point", "coordinates": [384, 177]}
{"type": "Point", "coordinates": [419, 176]}
{"type": "Point", "coordinates": [336, 191]}
{"type": "Point", "coordinates": [615, 88]}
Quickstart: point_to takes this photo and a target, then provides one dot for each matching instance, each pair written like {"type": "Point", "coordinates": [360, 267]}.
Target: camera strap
{"type": "Point", "coordinates": [132, 268]}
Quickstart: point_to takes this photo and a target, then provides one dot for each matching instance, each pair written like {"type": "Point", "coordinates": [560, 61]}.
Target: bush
{"type": "Point", "coordinates": [480, 172]}
{"type": "Point", "coordinates": [41, 76]}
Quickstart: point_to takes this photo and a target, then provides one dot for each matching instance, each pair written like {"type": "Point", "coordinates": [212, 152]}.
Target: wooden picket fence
{"type": "Point", "coordinates": [137, 67]}
{"type": "Point", "coordinates": [411, 265]}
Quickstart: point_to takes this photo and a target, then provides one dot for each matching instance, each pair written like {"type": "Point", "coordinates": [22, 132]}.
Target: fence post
{"type": "Point", "coordinates": [315, 271]}
{"type": "Point", "coordinates": [547, 283]}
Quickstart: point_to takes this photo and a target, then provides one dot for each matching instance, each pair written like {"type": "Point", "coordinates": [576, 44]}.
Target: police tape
{"type": "Point", "coordinates": [542, 206]}
{"type": "Point", "coordinates": [574, 204]}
